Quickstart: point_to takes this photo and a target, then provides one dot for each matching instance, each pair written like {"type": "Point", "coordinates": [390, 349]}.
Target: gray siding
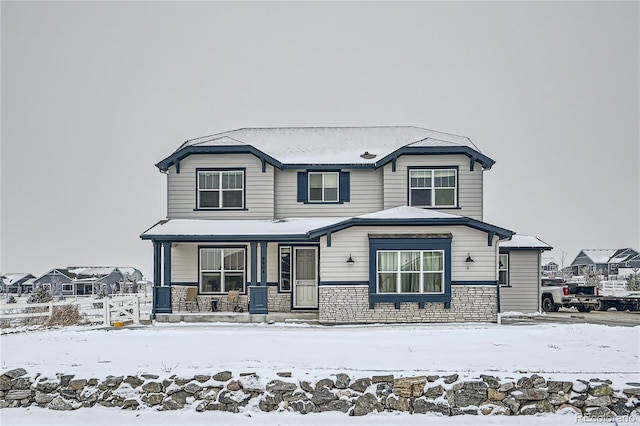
{"type": "Point", "coordinates": [365, 195]}
{"type": "Point", "coordinates": [523, 295]}
{"type": "Point", "coordinates": [354, 241]}
{"type": "Point", "coordinates": [469, 182]}
{"type": "Point", "coordinates": [258, 190]}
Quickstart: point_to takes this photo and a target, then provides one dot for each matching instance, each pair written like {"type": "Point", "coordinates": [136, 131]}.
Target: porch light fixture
{"type": "Point", "coordinates": [350, 260]}
{"type": "Point", "coordinates": [469, 259]}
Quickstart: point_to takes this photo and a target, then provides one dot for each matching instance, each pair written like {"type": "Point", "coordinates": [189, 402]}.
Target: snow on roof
{"type": "Point", "coordinates": [599, 255]}
{"type": "Point", "coordinates": [197, 227]}
{"type": "Point", "coordinates": [11, 277]}
{"type": "Point", "coordinates": [525, 241]}
{"type": "Point", "coordinates": [406, 212]}
{"type": "Point", "coordinates": [91, 270]}
{"type": "Point", "coordinates": [331, 145]}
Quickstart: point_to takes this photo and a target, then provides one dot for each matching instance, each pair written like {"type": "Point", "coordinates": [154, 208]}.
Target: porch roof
{"type": "Point", "coordinates": [525, 242]}
{"type": "Point", "coordinates": [237, 230]}
{"type": "Point", "coordinates": [304, 229]}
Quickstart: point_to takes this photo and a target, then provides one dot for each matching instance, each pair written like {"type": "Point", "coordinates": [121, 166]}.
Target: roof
{"type": "Point", "coordinates": [10, 278]}
{"type": "Point", "coordinates": [598, 255]}
{"type": "Point", "coordinates": [525, 242]}
{"type": "Point", "coordinates": [303, 228]}
{"type": "Point", "coordinates": [328, 145]}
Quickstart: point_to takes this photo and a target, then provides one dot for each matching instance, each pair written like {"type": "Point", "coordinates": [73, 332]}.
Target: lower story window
{"type": "Point", "coordinates": [285, 268]}
{"type": "Point", "coordinates": [67, 287]}
{"type": "Point", "coordinates": [222, 270]}
{"type": "Point", "coordinates": [503, 269]}
{"type": "Point", "coordinates": [414, 271]}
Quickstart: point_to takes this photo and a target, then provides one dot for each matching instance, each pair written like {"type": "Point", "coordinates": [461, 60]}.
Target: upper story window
{"type": "Point", "coordinates": [323, 187]}
{"type": "Point", "coordinates": [318, 187]}
{"type": "Point", "coordinates": [433, 187]}
{"type": "Point", "coordinates": [220, 189]}
{"type": "Point", "coordinates": [503, 269]}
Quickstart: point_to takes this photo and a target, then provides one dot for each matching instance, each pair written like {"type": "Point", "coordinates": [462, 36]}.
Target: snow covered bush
{"type": "Point", "coordinates": [633, 282]}
{"type": "Point", "coordinates": [11, 299]}
{"type": "Point", "coordinates": [40, 295]}
{"type": "Point", "coordinates": [65, 315]}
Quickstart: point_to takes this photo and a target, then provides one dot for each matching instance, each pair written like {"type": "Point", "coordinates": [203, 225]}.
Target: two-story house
{"type": "Point", "coordinates": [361, 224]}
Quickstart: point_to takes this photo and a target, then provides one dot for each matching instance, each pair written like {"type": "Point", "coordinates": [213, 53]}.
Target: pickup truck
{"type": "Point", "coordinates": [557, 293]}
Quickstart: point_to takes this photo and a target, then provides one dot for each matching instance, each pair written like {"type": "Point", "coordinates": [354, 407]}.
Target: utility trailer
{"type": "Point", "coordinates": [614, 294]}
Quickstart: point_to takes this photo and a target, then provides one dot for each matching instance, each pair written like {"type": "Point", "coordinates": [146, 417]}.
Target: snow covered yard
{"type": "Point", "coordinates": [555, 351]}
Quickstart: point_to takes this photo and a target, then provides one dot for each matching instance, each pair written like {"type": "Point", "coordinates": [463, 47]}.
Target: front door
{"type": "Point", "coordinates": [305, 277]}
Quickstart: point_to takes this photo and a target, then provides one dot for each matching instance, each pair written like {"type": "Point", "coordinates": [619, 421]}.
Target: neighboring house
{"type": "Point", "coordinates": [85, 280]}
{"type": "Point", "coordinates": [550, 267]}
{"type": "Point", "coordinates": [18, 282]}
{"type": "Point", "coordinates": [605, 261]}
{"type": "Point", "coordinates": [519, 273]}
{"type": "Point", "coordinates": [373, 224]}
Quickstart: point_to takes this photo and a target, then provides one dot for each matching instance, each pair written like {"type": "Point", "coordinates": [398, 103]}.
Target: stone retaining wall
{"type": "Point", "coordinates": [350, 304]}
{"type": "Point", "coordinates": [224, 391]}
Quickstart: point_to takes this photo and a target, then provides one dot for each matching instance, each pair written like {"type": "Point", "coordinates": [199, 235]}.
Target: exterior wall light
{"type": "Point", "coordinates": [350, 260]}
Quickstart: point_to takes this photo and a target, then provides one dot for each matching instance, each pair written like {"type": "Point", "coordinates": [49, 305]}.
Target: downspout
{"type": "Point", "coordinates": [497, 275]}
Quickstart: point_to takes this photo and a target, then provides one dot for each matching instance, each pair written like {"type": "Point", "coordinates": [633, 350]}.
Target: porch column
{"type": "Point", "coordinates": [167, 263]}
{"type": "Point", "coordinates": [156, 264]}
{"type": "Point", "coordinates": [263, 263]}
{"type": "Point", "coordinates": [254, 263]}
{"type": "Point", "coordinates": [258, 292]}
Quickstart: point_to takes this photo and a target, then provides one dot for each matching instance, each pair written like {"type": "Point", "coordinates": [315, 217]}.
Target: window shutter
{"type": "Point", "coordinates": [345, 187]}
{"type": "Point", "coordinates": [303, 185]}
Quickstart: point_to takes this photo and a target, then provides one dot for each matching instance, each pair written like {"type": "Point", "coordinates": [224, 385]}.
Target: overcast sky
{"type": "Point", "coordinates": [94, 94]}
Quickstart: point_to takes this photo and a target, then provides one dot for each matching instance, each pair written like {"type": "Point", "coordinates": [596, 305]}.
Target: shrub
{"type": "Point", "coordinates": [40, 295]}
{"type": "Point", "coordinates": [633, 282]}
{"type": "Point", "coordinates": [65, 315]}
{"type": "Point", "coordinates": [11, 299]}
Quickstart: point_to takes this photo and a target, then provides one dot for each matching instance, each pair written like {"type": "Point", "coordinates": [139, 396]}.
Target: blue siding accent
{"type": "Point", "coordinates": [183, 283]}
{"type": "Point", "coordinates": [156, 264]}
{"type": "Point", "coordinates": [303, 183]}
{"type": "Point", "coordinates": [254, 263]}
{"type": "Point", "coordinates": [328, 239]}
{"type": "Point", "coordinates": [167, 263]}
{"type": "Point", "coordinates": [376, 244]}
{"type": "Point", "coordinates": [498, 295]}
{"type": "Point", "coordinates": [258, 299]}
{"type": "Point", "coordinates": [263, 263]}
{"type": "Point", "coordinates": [472, 163]}
{"type": "Point", "coordinates": [491, 282]}
{"type": "Point", "coordinates": [177, 164]}
{"type": "Point", "coordinates": [344, 282]}
{"type": "Point", "coordinates": [190, 150]}
{"type": "Point", "coordinates": [345, 187]}
{"type": "Point", "coordinates": [161, 300]}
{"type": "Point", "coordinates": [486, 162]}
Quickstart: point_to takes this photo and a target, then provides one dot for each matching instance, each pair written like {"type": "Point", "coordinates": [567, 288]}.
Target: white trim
{"type": "Point", "coordinates": [323, 200]}
{"type": "Point", "coordinates": [420, 272]}
{"type": "Point", "coordinates": [222, 271]}
{"type": "Point", "coordinates": [434, 188]}
{"type": "Point", "coordinates": [220, 190]}
{"type": "Point", "coordinates": [294, 276]}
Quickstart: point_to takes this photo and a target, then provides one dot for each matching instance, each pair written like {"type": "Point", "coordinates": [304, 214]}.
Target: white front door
{"type": "Point", "coordinates": [305, 277]}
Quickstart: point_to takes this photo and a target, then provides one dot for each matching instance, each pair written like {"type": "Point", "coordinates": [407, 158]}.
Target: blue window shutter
{"type": "Point", "coordinates": [345, 187]}
{"type": "Point", "coordinates": [302, 187]}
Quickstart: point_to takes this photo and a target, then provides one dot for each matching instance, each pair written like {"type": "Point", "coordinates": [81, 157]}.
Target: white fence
{"type": "Point", "coordinates": [106, 310]}
{"type": "Point", "coordinates": [613, 287]}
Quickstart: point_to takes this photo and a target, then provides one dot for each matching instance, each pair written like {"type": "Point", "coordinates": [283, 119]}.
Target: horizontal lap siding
{"type": "Point", "coordinates": [354, 242]}
{"type": "Point", "coordinates": [365, 195]}
{"type": "Point", "coordinates": [258, 189]}
{"type": "Point", "coordinates": [524, 277]}
{"type": "Point", "coordinates": [469, 182]}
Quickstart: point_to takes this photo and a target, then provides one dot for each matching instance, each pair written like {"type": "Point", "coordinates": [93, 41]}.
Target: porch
{"type": "Point", "coordinates": [240, 317]}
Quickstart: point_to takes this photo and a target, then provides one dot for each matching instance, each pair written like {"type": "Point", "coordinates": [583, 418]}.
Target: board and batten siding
{"type": "Point", "coordinates": [523, 292]}
{"type": "Point", "coordinates": [181, 190]}
{"type": "Point", "coordinates": [365, 196]}
{"type": "Point", "coordinates": [354, 242]}
{"type": "Point", "coordinates": [396, 184]}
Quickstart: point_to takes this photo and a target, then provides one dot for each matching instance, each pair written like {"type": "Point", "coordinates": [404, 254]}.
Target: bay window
{"type": "Point", "coordinates": [404, 271]}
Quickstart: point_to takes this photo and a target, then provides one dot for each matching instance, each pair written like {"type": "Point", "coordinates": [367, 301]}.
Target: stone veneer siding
{"type": "Point", "coordinates": [277, 302]}
{"type": "Point", "coordinates": [350, 304]}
